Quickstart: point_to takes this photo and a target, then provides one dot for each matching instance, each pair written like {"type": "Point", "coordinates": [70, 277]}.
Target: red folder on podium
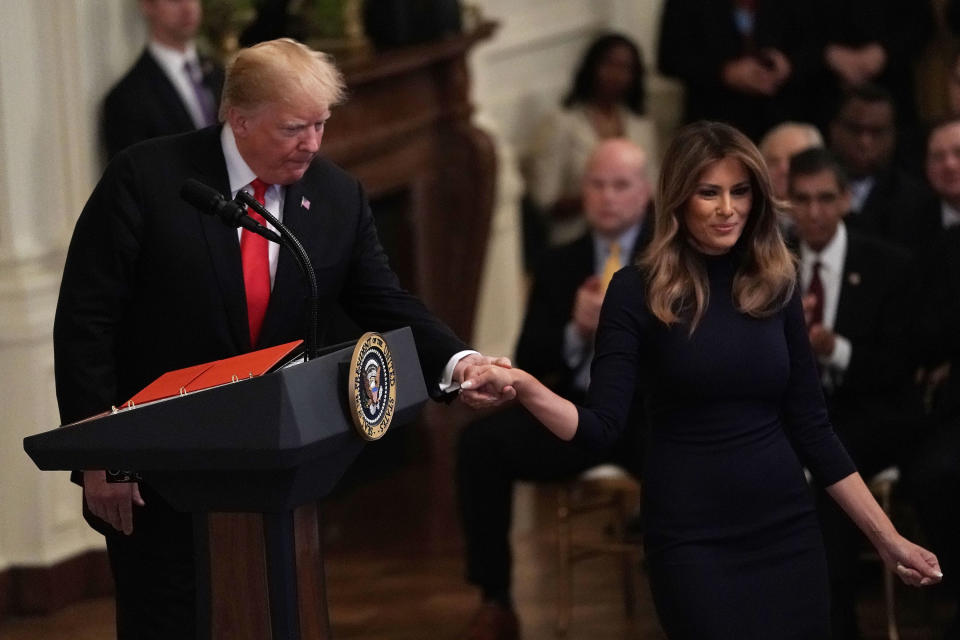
{"type": "Point", "coordinates": [211, 374]}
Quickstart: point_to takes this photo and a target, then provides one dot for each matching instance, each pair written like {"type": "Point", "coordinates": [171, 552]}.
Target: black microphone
{"type": "Point", "coordinates": [208, 200]}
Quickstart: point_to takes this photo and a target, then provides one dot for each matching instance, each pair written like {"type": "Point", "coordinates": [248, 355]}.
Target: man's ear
{"type": "Point", "coordinates": [239, 121]}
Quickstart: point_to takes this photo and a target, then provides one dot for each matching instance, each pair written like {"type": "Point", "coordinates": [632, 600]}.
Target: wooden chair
{"type": "Point", "coordinates": [882, 485]}
{"type": "Point", "coordinates": [614, 493]}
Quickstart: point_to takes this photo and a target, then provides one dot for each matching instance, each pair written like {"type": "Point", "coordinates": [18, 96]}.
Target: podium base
{"type": "Point", "coordinates": [278, 593]}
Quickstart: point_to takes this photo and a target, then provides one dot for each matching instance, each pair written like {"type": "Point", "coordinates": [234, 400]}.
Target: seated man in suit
{"type": "Point", "coordinates": [885, 201]}
{"type": "Point", "coordinates": [556, 345]}
{"type": "Point", "coordinates": [171, 88]}
{"type": "Point", "coordinates": [151, 284]}
{"type": "Point", "coordinates": [857, 306]}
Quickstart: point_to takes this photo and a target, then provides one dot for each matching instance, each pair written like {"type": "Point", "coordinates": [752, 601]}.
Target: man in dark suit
{"type": "Point", "coordinates": [556, 345]}
{"type": "Point", "coordinates": [886, 202]}
{"type": "Point", "coordinates": [170, 89]}
{"type": "Point", "coordinates": [745, 62]}
{"type": "Point", "coordinates": [857, 307]}
{"type": "Point", "coordinates": [151, 285]}
{"type": "Point", "coordinates": [870, 41]}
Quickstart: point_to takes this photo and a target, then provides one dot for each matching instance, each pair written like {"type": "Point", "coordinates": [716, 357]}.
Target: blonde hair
{"type": "Point", "coordinates": [677, 286]}
{"type": "Point", "coordinates": [281, 70]}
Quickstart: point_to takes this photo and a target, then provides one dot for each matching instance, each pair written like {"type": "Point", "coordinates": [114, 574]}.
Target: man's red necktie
{"type": "Point", "coordinates": [815, 289]}
{"type": "Point", "coordinates": [254, 251]}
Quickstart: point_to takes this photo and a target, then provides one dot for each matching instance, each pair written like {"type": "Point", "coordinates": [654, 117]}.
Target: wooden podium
{"type": "Point", "coordinates": [250, 460]}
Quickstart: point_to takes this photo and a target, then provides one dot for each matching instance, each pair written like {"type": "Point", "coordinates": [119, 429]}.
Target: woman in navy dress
{"type": "Point", "coordinates": [710, 325]}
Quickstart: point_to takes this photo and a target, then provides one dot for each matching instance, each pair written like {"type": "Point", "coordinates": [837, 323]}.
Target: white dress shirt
{"type": "Point", "coordinates": [240, 175]}
{"type": "Point", "coordinates": [832, 259]}
{"type": "Point", "coordinates": [172, 63]}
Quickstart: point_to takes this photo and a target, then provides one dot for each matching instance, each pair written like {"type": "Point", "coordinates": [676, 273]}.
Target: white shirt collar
{"type": "Point", "coordinates": [833, 254]}
{"type": "Point", "coordinates": [238, 171]}
{"type": "Point", "coordinates": [172, 59]}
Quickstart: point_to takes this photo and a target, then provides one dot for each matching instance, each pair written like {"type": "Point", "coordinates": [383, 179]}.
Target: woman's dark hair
{"type": "Point", "coordinates": [583, 89]}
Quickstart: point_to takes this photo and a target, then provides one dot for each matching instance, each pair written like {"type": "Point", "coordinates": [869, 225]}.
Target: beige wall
{"type": "Point", "coordinates": [57, 59]}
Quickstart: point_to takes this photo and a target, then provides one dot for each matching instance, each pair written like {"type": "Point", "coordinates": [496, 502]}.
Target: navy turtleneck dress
{"type": "Point", "coordinates": [736, 412]}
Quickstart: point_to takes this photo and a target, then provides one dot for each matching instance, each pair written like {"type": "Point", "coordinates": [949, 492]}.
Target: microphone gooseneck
{"type": "Point", "coordinates": [233, 213]}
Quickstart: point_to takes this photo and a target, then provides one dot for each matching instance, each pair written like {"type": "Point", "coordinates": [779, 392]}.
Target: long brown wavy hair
{"type": "Point", "coordinates": [677, 287]}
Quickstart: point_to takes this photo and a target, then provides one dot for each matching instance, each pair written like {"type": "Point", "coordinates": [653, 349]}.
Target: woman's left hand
{"type": "Point", "coordinates": [915, 565]}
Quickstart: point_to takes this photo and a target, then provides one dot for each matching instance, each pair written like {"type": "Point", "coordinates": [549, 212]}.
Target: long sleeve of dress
{"type": "Point", "coordinates": [614, 374]}
{"type": "Point", "coordinates": [804, 410]}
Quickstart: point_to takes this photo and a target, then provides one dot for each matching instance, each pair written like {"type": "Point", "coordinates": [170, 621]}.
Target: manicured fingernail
{"type": "Point", "coordinates": [939, 574]}
{"type": "Point", "coordinates": [466, 384]}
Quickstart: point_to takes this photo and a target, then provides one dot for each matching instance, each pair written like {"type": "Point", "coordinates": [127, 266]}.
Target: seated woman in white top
{"type": "Point", "coordinates": [606, 101]}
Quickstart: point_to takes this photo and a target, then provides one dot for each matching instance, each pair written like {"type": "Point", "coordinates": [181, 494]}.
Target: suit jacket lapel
{"type": "Point", "coordinates": [848, 302]}
{"type": "Point", "coordinates": [166, 94]}
{"type": "Point", "coordinates": [222, 242]}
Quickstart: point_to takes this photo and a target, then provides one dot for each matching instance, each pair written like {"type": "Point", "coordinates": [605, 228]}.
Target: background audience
{"type": "Point", "coordinates": [856, 302]}
{"type": "Point", "coordinates": [557, 344]}
{"type": "Point", "coordinates": [606, 100]}
{"type": "Point", "coordinates": [744, 62]}
{"type": "Point", "coordinates": [780, 144]}
{"type": "Point", "coordinates": [885, 200]}
{"type": "Point", "coordinates": [170, 88]}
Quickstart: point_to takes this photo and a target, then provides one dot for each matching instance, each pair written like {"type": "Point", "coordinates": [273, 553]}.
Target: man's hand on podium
{"type": "Point", "coordinates": [486, 396]}
{"type": "Point", "coordinates": [112, 502]}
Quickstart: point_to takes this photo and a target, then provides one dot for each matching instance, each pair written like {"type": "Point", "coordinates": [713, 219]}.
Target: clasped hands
{"type": "Point", "coordinates": [484, 381]}
{"type": "Point", "coordinates": [762, 76]}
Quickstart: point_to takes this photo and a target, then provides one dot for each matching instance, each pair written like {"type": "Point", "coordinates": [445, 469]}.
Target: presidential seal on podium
{"type": "Point", "coordinates": [373, 386]}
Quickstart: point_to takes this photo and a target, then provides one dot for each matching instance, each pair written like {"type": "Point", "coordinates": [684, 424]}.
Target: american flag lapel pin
{"type": "Point", "coordinates": [304, 203]}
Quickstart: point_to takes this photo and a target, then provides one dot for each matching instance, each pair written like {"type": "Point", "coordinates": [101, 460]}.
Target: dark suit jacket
{"type": "Point", "coordinates": [874, 314]}
{"type": "Point", "coordinates": [902, 27]}
{"type": "Point", "coordinates": [940, 319]}
{"type": "Point", "coordinates": [151, 284]}
{"type": "Point", "coordinates": [556, 280]}
{"type": "Point", "coordinates": [899, 211]}
{"type": "Point", "coordinates": [697, 37]}
{"type": "Point", "coordinates": [144, 104]}
{"type": "Point", "coordinates": [874, 405]}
